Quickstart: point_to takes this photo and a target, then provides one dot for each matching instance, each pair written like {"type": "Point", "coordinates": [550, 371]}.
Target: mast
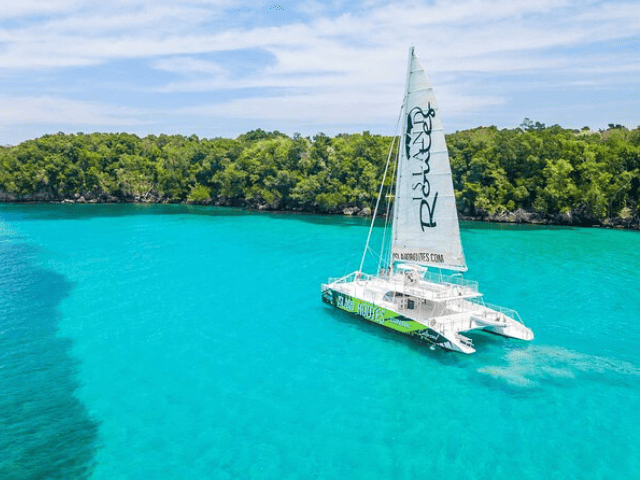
{"type": "Point", "coordinates": [405, 99]}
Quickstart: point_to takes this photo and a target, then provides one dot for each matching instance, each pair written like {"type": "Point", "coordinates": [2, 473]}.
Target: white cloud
{"type": "Point", "coordinates": [26, 8]}
{"type": "Point", "coordinates": [451, 34]}
{"type": "Point", "coordinates": [312, 8]}
{"type": "Point", "coordinates": [189, 65]}
{"type": "Point", "coordinates": [349, 65]}
{"type": "Point", "coordinates": [467, 12]}
{"type": "Point", "coordinates": [343, 106]}
{"type": "Point", "coordinates": [63, 111]}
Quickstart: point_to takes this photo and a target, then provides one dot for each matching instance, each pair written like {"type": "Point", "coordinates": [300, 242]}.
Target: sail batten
{"type": "Point", "coordinates": [425, 226]}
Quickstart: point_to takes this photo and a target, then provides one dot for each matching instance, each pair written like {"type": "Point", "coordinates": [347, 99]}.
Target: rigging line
{"type": "Point", "coordinates": [375, 211]}
{"type": "Point", "coordinates": [388, 225]}
{"type": "Point", "coordinates": [385, 253]}
{"type": "Point", "coordinates": [373, 252]}
{"type": "Point", "coordinates": [388, 219]}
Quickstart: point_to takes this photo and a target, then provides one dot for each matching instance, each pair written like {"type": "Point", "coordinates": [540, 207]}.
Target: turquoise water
{"type": "Point", "coordinates": [173, 342]}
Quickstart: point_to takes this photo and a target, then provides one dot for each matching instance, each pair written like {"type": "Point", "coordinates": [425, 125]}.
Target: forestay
{"type": "Point", "coordinates": [425, 223]}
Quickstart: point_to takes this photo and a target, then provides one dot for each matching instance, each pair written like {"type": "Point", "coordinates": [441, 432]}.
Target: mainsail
{"type": "Point", "coordinates": [425, 223]}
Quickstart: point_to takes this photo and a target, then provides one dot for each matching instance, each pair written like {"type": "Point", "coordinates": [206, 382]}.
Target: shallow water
{"type": "Point", "coordinates": [191, 342]}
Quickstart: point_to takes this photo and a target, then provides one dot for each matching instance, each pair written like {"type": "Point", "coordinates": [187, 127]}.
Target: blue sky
{"type": "Point", "coordinates": [221, 68]}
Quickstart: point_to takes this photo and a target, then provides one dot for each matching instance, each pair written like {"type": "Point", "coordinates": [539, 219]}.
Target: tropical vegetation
{"type": "Point", "coordinates": [535, 168]}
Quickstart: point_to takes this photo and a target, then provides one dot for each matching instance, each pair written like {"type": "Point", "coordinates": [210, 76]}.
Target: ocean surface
{"type": "Point", "coordinates": [179, 342]}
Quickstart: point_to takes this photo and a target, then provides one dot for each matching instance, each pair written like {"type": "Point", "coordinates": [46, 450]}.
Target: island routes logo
{"type": "Point", "coordinates": [369, 311]}
{"type": "Point", "coordinates": [417, 144]}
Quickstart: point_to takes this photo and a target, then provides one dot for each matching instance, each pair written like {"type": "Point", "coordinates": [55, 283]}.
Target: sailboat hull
{"type": "Point", "coordinates": [438, 309]}
{"type": "Point", "coordinates": [387, 318]}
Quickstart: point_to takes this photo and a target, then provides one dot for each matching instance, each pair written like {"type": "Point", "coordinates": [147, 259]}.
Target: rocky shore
{"type": "Point", "coordinates": [575, 218]}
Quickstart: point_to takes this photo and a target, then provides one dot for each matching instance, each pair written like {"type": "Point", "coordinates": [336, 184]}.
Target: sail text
{"type": "Point", "coordinates": [418, 147]}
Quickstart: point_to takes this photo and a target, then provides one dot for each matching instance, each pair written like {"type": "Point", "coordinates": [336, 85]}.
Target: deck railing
{"type": "Point", "coordinates": [509, 312]}
{"type": "Point", "coordinates": [466, 287]}
{"type": "Point", "coordinates": [455, 279]}
{"type": "Point", "coordinates": [352, 277]}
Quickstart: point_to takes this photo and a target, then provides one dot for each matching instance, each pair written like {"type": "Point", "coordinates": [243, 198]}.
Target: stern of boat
{"type": "Point", "coordinates": [502, 321]}
{"type": "Point", "coordinates": [453, 341]}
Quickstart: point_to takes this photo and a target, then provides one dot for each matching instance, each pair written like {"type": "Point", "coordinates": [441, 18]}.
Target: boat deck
{"type": "Point", "coordinates": [446, 307]}
{"type": "Point", "coordinates": [420, 302]}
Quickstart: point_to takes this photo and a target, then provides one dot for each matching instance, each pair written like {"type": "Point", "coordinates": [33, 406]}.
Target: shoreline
{"type": "Point", "coordinates": [519, 217]}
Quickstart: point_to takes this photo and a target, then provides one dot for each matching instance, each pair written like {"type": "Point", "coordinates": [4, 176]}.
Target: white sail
{"type": "Point", "coordinates": [425, 223]}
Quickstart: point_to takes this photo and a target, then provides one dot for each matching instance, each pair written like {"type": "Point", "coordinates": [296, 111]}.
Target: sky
{"type": "Point", "coordinates": [219, 68]}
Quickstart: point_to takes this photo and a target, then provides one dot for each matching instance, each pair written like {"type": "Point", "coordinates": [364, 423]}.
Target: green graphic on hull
{"type": "Point", "coordinates": [371, 312]}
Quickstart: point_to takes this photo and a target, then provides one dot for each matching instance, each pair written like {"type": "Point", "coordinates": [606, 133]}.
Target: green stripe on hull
{"type": "Point", "coordinates": [371, 312]}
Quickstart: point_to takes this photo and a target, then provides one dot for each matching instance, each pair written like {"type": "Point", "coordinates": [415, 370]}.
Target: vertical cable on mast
{"type": "Point", "coordinates": [375, 211]}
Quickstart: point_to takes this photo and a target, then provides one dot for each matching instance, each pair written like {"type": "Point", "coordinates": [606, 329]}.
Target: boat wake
{"type": "Point", "coordinates": [536, 365]}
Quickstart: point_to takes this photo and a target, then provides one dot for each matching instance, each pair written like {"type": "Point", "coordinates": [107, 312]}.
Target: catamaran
{"type": "Point", "coordinates": [418, 288]}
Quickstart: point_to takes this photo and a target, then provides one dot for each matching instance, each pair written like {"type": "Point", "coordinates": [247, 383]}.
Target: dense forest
{"type": "Point", "coordinates": [533, 173]}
